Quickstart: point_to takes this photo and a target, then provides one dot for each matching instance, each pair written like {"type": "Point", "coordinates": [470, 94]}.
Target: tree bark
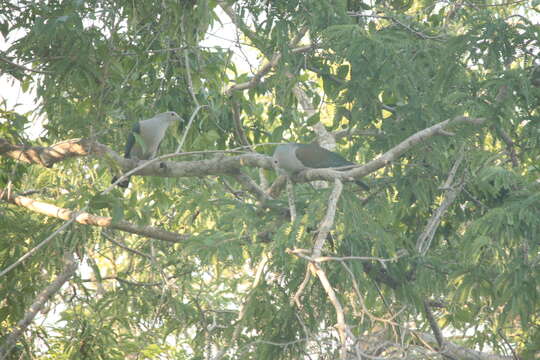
{"type": "Point", "coordinates": [69, 269]}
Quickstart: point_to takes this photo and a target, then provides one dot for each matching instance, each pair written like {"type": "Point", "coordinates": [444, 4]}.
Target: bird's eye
{"type": "Point", "coordinates": [275, 162]}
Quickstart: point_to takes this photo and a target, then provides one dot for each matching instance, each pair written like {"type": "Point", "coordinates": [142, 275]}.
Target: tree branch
{"type": "Point", "coordinates": [324, 228]}
{"type": "Point", "coordinates": [125, 247]}
{"type": "Point", "coordinates": [436, 330]}
{"type": "Point", "coordinates": [23, 68]}
{"type": "Point", "coordinates": [68, 271]}
{"type": "Point", "coordinates": [219, 165]}
{"type": "Point", "coordinates": [47, 156]}
{"type": "Point", "coordinates": [304, 254]}
{"type": "Point", "coordinates": [424, 240]}
{"type": "Point", "coordinates": [291, 200]}
{"type": "Point", "coordinates": [510, 145]}
{"type": "Point", "coordinates": [243, 307]}
{"type": "Point", "coordinates": [387, 157]}
{"type": "Point", "coordinates": [328, 221]}
{"type": "Point", "coordinates": [86, 218]}
{"type": "Point", "coordinates": [273, 59]}
{"type": "Point", "coordinates": [227, 8]}
{"type": "Point", "coordinates": [252, 187]}
{"type": "Point", "coordinates": [264, 70]}
{"type": "Point", "coordinates": [340, 314]}
{"type": "Point", "coordinates": [451, 192]}
{"type": "Point", "coordinates": [460, 352]}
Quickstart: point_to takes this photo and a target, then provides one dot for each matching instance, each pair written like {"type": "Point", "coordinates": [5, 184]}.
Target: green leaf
{"type": "Point", "coordinates": [342, 72]}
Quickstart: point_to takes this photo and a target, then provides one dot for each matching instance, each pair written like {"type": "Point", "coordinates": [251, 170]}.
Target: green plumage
{"type": "Point", "coordinates": [316, 157]}
{"type": "Point", "coordinates": [131, 139]}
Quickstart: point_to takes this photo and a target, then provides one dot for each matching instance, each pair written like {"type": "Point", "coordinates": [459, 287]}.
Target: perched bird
{"type": "Point", "coordinates": [150, 133]}
{"type": "Point", "coordinates": [292, 158]}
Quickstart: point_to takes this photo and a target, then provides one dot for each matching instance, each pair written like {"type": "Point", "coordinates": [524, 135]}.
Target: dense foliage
{"type": "Point", "coordinates": [376, 72]}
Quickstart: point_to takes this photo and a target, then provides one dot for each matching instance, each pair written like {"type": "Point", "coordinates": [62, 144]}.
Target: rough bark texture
{"type": "Point", "coordinates": [86, 218]}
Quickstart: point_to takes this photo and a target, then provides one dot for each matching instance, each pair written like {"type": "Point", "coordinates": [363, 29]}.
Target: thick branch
{"type": "Point", "coordinates": [46, 156]}
{"type": "Point", "coordinates": [328, 221]}
{"type": "Point", "coordinates": [389, 156]}
{"type": "Point", "coordinates": [89, 219]}
{"type": "Point", "coordinates": [219, 165]}
{"type": "Point", "coordinates": [222, 165]}
{"type": "Point", "coordinates": [459, 352]}
{"type": "Point", "coordinates": [39, 303]}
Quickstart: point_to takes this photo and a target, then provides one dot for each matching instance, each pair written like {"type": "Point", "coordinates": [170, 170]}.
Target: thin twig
{"type": "Point", "coordinates": [252, 187]}
{"type": "Point", "coordinates": [436, 330]}
{"type": "Point", "coordinates": [452, 191]}
{"type": "Point", "coordinates": [238, 327]}
{"type": "Point", "coordinates": [514, 355]}
{"type": "Point", "coordinates": [125, 247]}
{"type": "Point", "coordinates": [342, 260]}
{"type": "Point", "coordinates": [324, 228]}
{"type": "Point", "coordinates": [23, 68]}
{"type": "Point", "coordinates": [38, 246]}
{"type": "Point", "coordinates": [239, 126]}
{"type": "Point", "coordinates": [340, 314]}
{"type": "Point", "coordinates": [511, 146]}
{"type": "Point", "coordinates": [186, 130]}
{"type": "Point", "coordinates": [300, 290]}
{"type": "Point", "coordinates": [273, 61]}
{"type": "Point", "coordinates": [399, 22]}
{"type": "Point", "coordinates": [302, 254]}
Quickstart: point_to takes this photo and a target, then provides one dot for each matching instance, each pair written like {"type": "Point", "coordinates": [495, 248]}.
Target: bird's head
{"type": "Point", "coordinates": [169, 116]}
{"type": "Point", "coordinates": [281, 157]}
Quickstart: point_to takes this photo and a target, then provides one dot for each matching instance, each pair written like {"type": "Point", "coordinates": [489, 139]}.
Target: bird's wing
{"type": "Point", "coordinates": [316, 157]}
{"type": "Point", "coordinates": [131, 139]}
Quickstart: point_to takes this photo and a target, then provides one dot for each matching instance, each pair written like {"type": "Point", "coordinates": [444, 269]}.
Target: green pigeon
{"type": "Point", "coordinates": [293, 157]}
{"type": "Point", "coordinates": [151, 132]}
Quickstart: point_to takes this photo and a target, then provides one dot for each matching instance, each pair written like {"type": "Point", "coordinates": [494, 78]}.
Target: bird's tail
{"type": "Point", "coordinates": [362, 184]}
{"type": "Point", "coordinates": [124, 183]}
